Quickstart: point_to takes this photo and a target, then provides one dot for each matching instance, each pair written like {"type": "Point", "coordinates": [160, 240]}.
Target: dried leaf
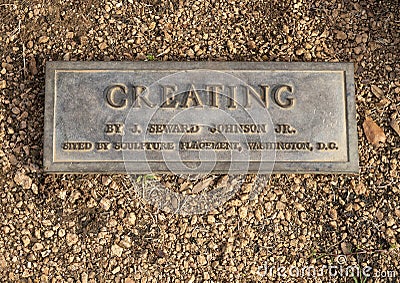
{"type": "Point", "coordinates": [160, 253]}
{"type": "Point", "coordinates": [346, 247]}
{"type": "Point", "coordinates": [32, 65]}
{"type": "Point", "coordinates": [395, 126]}
{"type": "Point", "coordinates": [201, 185]}
{"type": "Point", "coordinates": [43, 39]}
{"type": "Point", "coordinates": [383, 103]}
{"type": "Point", "coordinates": [394, 122]}
{"type": "Point", "coordinates": [378, 92]}
{"type": "Point", "coordinates": [223, 181]}
{"type": "Point", "coordinates": [373, 132]}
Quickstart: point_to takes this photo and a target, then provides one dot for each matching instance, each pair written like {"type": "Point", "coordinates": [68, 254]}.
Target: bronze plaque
{"type": "Point", "coordinates": [200, 117]}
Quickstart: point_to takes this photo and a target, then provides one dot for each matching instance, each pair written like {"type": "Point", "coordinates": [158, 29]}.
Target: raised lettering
{"type": "Point", "coordinates": [262, 99]}
{"type": "Point", "coordinates": [278, 96]}
{"type": "Point", "coordinates": [191, 95]}
{"type": "Point", "coordinates": [231, 99]}
{"type": "Point", "coordinates": [168, 96]}
{"type": "Point", "coordinates": [139, 94]}
{"type": "Point", "coordinates": [112, 91]}
{"type": "Point", "coordinates": [213, 91]}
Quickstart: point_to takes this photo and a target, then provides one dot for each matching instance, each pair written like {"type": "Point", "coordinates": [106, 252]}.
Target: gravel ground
{"type": "Point", "coordinates": [95, 228]}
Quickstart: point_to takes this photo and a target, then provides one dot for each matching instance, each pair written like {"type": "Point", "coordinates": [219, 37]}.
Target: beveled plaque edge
{"type": "Point", "coordinates": [351, 166]}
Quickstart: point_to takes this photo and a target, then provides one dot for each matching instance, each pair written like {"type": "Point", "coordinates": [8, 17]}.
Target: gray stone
{"type": "Point", "coordinates": [200, 117]}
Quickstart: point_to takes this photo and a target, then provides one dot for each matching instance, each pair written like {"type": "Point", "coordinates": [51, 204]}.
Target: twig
{"type": "Point", "coordinates": [357, 253]}
{"type": "Point", "coordinates": [8, 5]}
{"type": "Point", "coordinates": [23, 57]}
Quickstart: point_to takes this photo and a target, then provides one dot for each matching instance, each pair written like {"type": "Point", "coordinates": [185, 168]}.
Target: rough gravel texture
{"type": "Point", "coordinates": [95, 228]}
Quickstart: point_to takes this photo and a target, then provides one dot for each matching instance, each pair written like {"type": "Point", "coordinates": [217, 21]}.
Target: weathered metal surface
{"type": "Point", "coordinates": [200, 117]}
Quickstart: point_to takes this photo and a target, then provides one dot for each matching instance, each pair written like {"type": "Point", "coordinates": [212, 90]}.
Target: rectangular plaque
{"type": "Point", "coordinates": [200, 117]}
